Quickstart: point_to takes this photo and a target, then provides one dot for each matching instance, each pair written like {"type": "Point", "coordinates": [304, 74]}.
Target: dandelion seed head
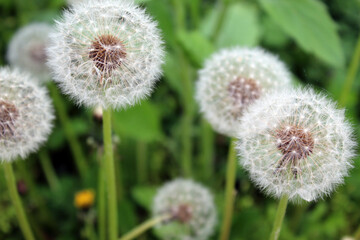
{"type": "Point", "coordinates": [27, 50]}
{"type": "Point", "coordinates": [106, 53]}
{"type": "Point", "coordinates": [190, 205]}
{"type": "Point", "coordinates": [233, 79]}
{"type": "Point", "coordinates": [26, 115]}
{"type": "Point", "coordinates": [310, 148]}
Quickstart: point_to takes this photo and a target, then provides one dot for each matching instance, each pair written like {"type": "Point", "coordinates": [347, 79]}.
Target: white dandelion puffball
{"type": "Point", "coordinates": [27, 50]}
{"type": "Point", "coordinates": [233, 79]}
{"type": "Point", "coordinates": [106, 53]}
{"type": "Point", "coordinates": [296, 143]}
{"type": "Point", "coordinates": [26, 115]}
{"type": "Point", "coordinates": [190, 205]}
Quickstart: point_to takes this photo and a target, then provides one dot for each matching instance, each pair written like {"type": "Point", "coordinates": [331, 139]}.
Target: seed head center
{"type": "Point", "coordinates": [38, 53]}
{"type": "Point", "coordinates": [243, 91]}
{"type": "Point", "coordinates": [8, 116]}
{"type": "Point", "coordinates": [107, 52]}
{"type": "Point", "coordinates": [295, 143]}
{"type": "Point", "coordinates": [182, 213]}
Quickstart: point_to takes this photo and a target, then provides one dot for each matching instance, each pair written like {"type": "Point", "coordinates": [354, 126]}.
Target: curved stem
{"type": "Point", "coordinates": [144, 227]}
{"type": "Point", "coordinates": [230, 192]}
{"type": "Point", "coordinates": [23, 222]}
{"type": "Point", "coordinates": [101, 198]}
{"type": "Point", "coordinates": [69, 132]}
{"type": "Point", "coordinates": [223, 5]}
{"type": "Point", "coordinates": [110, 175]}
{"type": "Point", "coordinates": [351, 74]}
{"type": "Point", "coordinates": [280, 213]}
{"type": "Point", "coordinates": [48, 169]}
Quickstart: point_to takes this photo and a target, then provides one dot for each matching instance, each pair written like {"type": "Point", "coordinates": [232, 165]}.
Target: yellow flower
{"type": "Point", "coordinates": [84, 198]}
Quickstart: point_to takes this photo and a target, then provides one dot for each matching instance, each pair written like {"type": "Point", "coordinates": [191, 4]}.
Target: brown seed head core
{"type": "Point", "coordinates": [182, 213]}
{"type": "Point", "coordinates": [243, 92]}
{"type": "Point", "coordinates": [295, 143]}
{"type": "Point", "coordinates": [38, 53]}
{"type": "Point", "coordinates": [107, 52]}
{"type": "Point", "coordinates": [8, 115]}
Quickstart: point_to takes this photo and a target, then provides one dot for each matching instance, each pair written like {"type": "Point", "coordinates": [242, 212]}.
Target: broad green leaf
{"type": "Point", "coordinates": [240, 26]}
{"type": "Point", "coordinates": [196, 46]}
{"type": "Point", "coordinates": [308, 22]}
{"type": "Point", "coordinates": [144, 195]}
{"type": "Point", "coordinates": [141, 122]}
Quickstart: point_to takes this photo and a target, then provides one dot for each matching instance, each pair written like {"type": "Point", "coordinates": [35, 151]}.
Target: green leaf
{"type": "Point", "coordinates": [144, 195]}
{"type": "Point", "coordinates": [196, 46]}
{"type": "Point", "coordinates": [308, 22]}
{"type": "Point", "coordinates": [240, 26]}
{"type": "Point", "coordinates": [141, 122]}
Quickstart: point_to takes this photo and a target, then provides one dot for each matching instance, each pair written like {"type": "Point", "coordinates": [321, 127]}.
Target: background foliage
{"type": "Point", "coordinates": [315, 38]}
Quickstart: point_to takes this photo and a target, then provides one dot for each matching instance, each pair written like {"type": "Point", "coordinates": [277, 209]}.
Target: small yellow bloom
{"type": "Point", "coordinates": [84, 198]}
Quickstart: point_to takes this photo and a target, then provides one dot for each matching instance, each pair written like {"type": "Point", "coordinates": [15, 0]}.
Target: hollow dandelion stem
{"type": "Point", "coordinates": [23, 222]}
{"type": "Point", "coordinates": [229, 192]}
{"type": "Point", "coordinates": [280, 213]}
{"type": "Point", "coordinates": [110, 175]}
{"type": "Point", "coordinates": [136, 232]}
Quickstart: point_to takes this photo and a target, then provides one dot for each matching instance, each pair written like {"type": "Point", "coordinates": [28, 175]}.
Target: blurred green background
{"type": "Point", "coordinates": [316, 39]}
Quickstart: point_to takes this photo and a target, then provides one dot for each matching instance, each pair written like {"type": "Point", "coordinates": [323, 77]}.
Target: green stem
{"type": "Point", "coordinates": [207, 150]}
{"type": "Point", "coordinates": [280, 213]}
{"type": "Point", "coordinates": [141, 155]}
{"type": "Point", "coordinates": [351, 75]}
{"type": "Point", "coordinates": [75, 146]}
{"type": "Point", "coordinates": [136, 232]}
{"type": "Point", "coordinates": [101, 199]}
{"type": "Point", "coordinates": [48, 169]}
{"type": "Point", "coordinates": [230, 192]}
{"type": "Point", "coordinates": [23, 222]}
{"type": "Point", "coordinates": [223, 6]}
{"type": "Point", "coordinates": [357, 234]}
{"type": "Point", "coordinates": [110, 175]}
{"type": "Point", "coordinates": [180, 17]}
{"type": "Point", "coordinates": [194, 10]}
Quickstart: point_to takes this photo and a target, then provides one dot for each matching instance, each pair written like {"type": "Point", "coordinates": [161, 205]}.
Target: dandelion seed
{"type": "Point", "coordinates": [25, 115]}
{"type": "Point", "coordinates": [106, 53]}
{"type": "Point", "coordinates": [27, 50]}
{"type": "Point", "coordinates": [190, 205]}
{"type": "Point", "coordinates": [233, 79]}
{"type": "Point", "coordinates": [310, 148]}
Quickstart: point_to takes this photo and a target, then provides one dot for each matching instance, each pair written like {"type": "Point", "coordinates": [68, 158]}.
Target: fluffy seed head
{"type": "Point", "coordinates": [190, 205]}
{"type": "Point", "coordinates": [25, 115]}
{"type": "Point", "coordinates": [296, 142]}
{"type": "Point", "coordinates": [233, 79]}
{"type": "Point", "coordinates": [106, 53]}
{"type": "Point", "coordinates": [27, 50]}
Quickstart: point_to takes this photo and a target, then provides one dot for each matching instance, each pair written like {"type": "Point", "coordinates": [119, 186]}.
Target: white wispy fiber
{"type": "Point", "coordinates": [232, 79]}
{"type": "Point", "coordinates": [191, 205]}
{"type": "Point", "coordinates": [27, 50]}
{"type": "Point", "coordinates": [26, 115]}
{"type": "Point", "coordinates": [296, 142]}
{"type": "Point", "coordinates": [106, 53]}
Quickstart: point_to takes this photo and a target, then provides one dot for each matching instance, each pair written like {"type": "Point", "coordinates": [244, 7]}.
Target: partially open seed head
{"type": "Point", "coordinates": [232, 80]}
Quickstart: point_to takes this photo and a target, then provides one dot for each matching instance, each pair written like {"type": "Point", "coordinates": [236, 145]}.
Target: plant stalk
{"type": "Point", "coordinates": [48, 169]}
{"type": "Point", "coordinates": [136, 232]}
{"type": "Point", "coordinates": [230, 192]}
{"type": "Point", "coordinates": [110, 176]}
{"type": "Point", "coordinates": [223, 7]}
{"type": "Point", "coordinates": [101, 198]}
{"type": "Point", "coordinates": [351, 75]}
{"type": "Point", "coordinates": [280, 213]}
{"type": "Point", "coordinates": [23, 222]}
{"type": "Point", "coordinates": [74, 144]}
